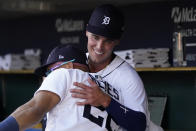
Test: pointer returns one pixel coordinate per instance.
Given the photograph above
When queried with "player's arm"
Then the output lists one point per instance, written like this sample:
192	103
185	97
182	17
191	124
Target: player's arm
125	117
31	112
131	120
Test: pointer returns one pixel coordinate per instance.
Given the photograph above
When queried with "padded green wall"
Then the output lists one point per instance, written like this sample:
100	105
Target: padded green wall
19	89
180	88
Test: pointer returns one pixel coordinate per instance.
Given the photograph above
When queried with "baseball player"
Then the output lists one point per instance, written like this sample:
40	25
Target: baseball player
117	87
66	65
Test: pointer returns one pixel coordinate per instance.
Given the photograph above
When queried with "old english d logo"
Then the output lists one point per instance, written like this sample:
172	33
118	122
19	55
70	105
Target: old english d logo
106	20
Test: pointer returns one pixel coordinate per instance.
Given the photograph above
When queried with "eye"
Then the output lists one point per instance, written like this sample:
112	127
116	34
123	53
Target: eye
110	41
95	37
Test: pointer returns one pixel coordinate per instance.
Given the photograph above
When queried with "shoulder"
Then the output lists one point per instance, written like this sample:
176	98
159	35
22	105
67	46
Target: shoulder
124	68
76	75
65	72
58	75
77	72
59	71
126	73
69	74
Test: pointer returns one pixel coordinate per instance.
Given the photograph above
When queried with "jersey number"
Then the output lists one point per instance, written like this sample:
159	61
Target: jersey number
87	114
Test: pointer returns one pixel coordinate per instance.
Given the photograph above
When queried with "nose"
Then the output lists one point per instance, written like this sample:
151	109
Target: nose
100	44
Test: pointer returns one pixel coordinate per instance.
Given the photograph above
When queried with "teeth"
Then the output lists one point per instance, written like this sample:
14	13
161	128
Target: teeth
99	53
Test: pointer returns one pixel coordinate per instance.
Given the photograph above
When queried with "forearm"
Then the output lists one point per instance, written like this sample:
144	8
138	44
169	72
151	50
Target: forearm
33	111
24	117
127	118
27	116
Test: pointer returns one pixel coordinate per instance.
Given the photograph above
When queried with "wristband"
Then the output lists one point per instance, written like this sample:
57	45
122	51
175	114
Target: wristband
9	124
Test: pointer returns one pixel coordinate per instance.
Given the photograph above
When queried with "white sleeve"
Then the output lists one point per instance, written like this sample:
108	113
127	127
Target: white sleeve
56	82
133	92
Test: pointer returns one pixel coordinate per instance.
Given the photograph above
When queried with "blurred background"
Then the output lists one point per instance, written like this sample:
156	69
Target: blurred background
159	42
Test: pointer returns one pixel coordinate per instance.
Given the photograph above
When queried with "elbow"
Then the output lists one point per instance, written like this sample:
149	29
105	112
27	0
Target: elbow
137	124
141	123
37	111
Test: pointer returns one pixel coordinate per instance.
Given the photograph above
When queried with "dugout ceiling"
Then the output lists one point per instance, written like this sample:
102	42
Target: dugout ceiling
19	8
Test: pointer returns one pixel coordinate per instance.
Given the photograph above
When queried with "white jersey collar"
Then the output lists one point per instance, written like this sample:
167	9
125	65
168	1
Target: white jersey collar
116	62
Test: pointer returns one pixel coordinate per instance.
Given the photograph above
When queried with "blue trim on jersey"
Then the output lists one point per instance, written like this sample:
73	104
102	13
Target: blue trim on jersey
9	124
127	118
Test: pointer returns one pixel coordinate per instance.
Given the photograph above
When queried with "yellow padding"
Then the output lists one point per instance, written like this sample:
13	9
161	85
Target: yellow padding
39	126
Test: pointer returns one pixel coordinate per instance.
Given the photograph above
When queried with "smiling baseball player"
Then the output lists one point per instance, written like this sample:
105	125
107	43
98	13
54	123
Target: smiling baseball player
116	86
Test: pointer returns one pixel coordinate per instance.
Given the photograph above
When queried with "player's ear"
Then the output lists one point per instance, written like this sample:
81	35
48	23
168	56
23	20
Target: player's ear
116	42
87	33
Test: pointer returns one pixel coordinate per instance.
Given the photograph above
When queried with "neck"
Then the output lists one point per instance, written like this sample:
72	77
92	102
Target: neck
81	67
96	67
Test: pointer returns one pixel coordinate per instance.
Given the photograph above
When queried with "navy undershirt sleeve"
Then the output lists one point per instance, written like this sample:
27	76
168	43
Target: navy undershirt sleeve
9	124
127	118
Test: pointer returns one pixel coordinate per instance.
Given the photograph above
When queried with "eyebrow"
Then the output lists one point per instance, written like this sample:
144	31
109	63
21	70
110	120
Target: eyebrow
95	35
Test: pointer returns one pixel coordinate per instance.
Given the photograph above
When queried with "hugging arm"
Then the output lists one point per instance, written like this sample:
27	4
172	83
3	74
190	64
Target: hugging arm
31	112
123	116
127	118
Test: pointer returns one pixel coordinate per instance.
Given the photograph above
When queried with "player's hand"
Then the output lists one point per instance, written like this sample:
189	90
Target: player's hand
92	94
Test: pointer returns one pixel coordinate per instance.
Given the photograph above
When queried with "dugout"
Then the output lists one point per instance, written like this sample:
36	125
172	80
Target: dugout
148	25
